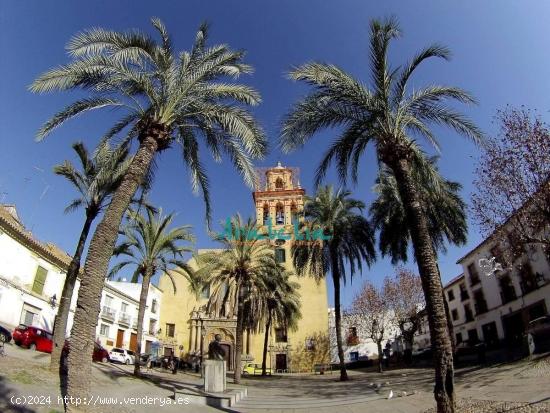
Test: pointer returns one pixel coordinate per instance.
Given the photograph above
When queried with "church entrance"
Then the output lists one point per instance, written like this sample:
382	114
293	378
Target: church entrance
280	362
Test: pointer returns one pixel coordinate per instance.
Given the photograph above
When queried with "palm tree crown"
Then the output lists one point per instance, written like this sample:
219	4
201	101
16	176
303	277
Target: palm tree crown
444	208
99	178
152	247
174	98
384	114
351	236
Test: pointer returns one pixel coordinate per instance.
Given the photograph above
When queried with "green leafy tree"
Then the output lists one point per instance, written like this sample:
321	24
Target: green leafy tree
152	247
351	242
98	177
169	99
386	114
237	274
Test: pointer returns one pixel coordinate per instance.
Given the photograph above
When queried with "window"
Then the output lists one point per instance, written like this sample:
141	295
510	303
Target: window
528	280
451	295
463	292
104	330
507	290
28	317
468	313
108	301
154	305
293	214
474	275
280	255
39	280
170	330
479	302
123	307
279	214
152	329
279	184
265	214
280	335
205	293
454	314
458	338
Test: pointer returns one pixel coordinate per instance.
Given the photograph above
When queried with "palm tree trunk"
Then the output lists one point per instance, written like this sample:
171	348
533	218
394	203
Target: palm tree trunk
380	355
266	338
95	269
431	284
141	313
239	339
60	324
338	319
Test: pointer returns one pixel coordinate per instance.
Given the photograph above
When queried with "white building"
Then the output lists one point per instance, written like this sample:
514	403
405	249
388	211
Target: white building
496	308
356	345
32	274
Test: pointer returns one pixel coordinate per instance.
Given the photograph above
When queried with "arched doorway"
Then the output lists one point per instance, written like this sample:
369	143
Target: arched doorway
227	342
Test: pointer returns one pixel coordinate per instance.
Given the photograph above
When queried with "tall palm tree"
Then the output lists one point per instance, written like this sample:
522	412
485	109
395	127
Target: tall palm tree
152	247
351	242
98	178
168	99
280	306
387	114
237	275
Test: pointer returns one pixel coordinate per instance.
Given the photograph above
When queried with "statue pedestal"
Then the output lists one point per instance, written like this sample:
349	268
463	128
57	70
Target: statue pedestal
214	376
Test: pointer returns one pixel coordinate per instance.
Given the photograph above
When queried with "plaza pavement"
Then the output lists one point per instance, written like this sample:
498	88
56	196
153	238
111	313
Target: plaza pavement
25	373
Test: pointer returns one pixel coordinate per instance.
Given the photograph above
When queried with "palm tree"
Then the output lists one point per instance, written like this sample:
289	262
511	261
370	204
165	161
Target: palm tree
390	116
237	275
152	247
281	306
168	99
98	178
351	242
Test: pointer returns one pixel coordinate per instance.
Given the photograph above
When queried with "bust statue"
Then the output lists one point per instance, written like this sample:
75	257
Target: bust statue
215	350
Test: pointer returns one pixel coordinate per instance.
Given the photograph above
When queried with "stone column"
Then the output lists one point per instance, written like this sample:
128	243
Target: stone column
191	342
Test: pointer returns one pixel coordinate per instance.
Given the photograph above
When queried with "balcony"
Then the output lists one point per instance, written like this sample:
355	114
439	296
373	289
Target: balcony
124	319
108	313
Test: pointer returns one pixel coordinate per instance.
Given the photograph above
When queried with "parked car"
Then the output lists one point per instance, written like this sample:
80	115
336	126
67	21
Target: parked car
100	354
254	369
121	355
34	338
538	334
5	335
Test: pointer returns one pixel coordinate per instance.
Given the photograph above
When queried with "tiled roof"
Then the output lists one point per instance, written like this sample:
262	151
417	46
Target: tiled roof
10	224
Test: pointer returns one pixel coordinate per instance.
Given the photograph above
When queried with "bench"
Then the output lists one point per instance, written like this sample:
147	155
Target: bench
321	368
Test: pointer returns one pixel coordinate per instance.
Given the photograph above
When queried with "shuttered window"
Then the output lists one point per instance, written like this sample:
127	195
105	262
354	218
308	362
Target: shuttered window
39	280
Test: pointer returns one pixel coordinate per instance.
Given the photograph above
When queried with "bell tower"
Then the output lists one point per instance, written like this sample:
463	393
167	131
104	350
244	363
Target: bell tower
278	196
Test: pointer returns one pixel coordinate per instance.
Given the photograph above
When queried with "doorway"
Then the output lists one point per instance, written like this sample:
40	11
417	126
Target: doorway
133	342
280	362
228	357
119	338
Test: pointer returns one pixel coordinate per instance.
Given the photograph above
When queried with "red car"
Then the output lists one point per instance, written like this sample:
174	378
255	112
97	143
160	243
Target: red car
33	337
99	354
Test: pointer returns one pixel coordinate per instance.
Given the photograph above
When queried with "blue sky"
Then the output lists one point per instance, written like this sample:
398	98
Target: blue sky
500	54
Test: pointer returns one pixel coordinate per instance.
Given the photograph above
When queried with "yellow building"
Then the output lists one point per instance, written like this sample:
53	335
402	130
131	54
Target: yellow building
278	199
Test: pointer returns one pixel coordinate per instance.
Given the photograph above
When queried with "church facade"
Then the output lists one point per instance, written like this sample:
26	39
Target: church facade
187	328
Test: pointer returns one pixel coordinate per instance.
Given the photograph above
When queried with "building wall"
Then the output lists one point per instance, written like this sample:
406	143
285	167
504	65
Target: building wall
18	266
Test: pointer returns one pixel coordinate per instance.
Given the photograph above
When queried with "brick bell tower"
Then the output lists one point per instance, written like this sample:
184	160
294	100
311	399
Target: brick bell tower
278	197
